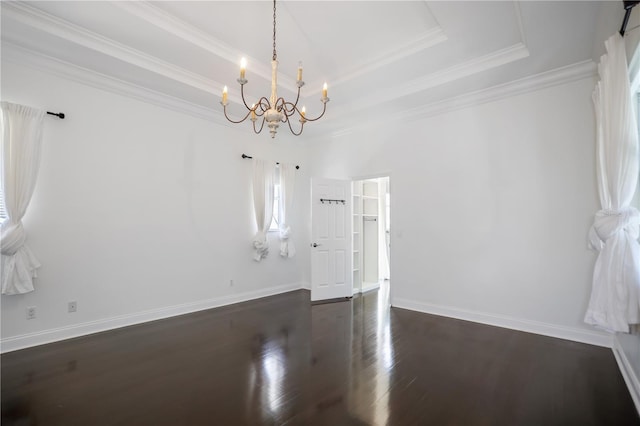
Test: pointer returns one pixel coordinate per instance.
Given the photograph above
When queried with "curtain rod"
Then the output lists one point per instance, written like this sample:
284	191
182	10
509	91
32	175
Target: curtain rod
60	115
628	5
246	156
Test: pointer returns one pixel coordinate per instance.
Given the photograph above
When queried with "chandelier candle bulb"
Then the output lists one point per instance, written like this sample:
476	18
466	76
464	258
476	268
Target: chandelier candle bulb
253	112
303	112
324	90
224	95
300	71
243	67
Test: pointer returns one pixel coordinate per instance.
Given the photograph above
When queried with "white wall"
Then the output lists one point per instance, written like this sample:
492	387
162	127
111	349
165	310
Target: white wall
140	212
491	206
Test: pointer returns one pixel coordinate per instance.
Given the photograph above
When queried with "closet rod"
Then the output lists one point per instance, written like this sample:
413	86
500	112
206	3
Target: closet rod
628	5
60	115
246	156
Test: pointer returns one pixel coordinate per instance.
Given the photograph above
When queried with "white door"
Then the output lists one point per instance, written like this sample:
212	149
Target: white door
331	276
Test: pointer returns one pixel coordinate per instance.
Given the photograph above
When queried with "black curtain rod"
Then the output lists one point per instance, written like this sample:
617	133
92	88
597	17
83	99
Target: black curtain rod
628	5
60	115
246	156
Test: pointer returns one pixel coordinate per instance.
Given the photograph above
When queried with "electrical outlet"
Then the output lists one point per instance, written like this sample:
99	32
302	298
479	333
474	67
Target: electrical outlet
31	312
72	306
230	283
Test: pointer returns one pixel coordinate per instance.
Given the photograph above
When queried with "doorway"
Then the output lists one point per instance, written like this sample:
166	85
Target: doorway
371	230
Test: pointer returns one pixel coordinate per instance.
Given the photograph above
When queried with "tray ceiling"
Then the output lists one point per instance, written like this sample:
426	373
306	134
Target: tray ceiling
380	58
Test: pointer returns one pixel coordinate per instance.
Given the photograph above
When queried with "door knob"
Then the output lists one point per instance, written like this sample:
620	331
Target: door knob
315	245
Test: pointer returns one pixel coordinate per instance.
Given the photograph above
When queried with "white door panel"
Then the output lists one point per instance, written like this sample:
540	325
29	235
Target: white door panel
330	239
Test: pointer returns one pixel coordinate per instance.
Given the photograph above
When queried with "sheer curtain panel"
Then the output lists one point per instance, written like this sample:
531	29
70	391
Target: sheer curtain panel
287	187
21	141
615	302
263	180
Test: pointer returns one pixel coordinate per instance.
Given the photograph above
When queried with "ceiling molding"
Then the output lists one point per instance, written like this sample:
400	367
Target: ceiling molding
556	77
447	75
518	12
35	18
187	32
22	56
425	41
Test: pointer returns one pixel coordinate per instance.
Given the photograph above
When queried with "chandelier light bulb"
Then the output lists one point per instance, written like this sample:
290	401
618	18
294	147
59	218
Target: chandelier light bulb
243	67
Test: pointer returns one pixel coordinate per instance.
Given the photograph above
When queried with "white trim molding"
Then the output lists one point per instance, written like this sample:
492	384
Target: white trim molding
575	334
556	77
630	377
23	341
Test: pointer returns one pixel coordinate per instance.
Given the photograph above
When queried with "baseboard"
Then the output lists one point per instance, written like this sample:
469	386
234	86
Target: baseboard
62	333
594	337
630	377
370	286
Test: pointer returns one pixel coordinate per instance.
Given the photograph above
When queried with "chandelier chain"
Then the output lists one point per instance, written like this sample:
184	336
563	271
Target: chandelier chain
274	30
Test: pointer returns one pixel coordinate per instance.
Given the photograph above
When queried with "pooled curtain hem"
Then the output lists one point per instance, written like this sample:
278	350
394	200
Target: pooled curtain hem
18	271
597	319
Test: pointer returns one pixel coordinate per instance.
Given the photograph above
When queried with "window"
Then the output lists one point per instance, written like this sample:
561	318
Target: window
276	208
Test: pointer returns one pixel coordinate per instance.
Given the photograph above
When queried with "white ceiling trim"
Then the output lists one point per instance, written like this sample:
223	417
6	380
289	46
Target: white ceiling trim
22	56
427	40
191	34
558	76
172	25
35	18
447	75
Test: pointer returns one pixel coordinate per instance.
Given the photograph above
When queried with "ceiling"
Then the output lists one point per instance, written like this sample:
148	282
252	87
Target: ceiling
381	59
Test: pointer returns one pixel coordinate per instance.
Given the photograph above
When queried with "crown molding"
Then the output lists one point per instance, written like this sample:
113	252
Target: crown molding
555	77
42	21
430	38
558	76
25	57
187	32
179	28
474	66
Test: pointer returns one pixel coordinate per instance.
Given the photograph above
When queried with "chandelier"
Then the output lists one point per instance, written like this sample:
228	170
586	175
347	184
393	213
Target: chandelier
274	110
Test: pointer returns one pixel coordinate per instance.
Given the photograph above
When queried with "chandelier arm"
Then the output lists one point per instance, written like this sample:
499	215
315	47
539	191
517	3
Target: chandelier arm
297	97
293	131
233	121
264	104
261	126
324	108
242	94
279	104
292	109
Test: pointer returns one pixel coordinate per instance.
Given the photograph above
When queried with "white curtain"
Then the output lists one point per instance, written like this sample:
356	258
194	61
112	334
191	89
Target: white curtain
263	180
287	187
21	141
615	302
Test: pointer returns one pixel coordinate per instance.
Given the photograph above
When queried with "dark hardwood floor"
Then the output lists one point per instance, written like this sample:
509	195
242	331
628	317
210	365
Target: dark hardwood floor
281	361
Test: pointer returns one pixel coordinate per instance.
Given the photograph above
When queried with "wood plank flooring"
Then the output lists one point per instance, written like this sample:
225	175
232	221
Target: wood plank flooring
281	361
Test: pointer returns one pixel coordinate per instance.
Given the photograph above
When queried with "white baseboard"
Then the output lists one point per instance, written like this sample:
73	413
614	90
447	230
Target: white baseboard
630	377
593	337
62	333
370	286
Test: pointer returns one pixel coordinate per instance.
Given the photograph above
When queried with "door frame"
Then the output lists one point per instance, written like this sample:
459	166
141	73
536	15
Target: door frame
388	175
